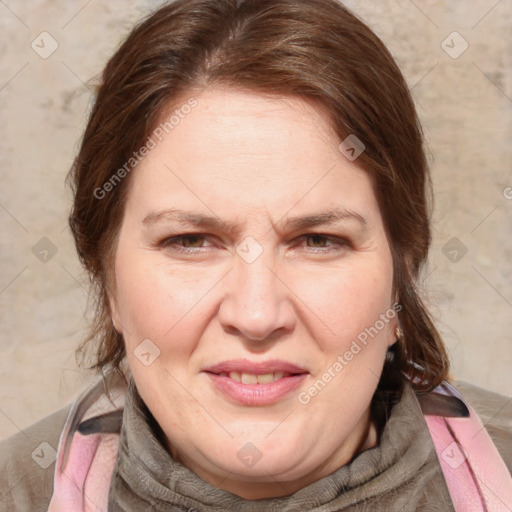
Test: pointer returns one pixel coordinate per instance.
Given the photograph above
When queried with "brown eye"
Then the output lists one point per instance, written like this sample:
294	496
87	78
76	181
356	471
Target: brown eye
317	240
192	240
324	243
185	242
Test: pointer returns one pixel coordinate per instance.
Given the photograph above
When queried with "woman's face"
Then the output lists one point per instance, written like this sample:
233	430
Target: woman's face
254	293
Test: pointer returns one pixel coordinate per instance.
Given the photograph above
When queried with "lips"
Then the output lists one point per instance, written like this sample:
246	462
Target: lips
250	383
254	368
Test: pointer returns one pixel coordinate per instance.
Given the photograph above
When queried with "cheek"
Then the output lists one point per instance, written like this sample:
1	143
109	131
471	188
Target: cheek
348	300
150	301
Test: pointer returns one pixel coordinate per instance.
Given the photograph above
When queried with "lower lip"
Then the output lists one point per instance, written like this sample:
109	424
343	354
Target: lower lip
256	394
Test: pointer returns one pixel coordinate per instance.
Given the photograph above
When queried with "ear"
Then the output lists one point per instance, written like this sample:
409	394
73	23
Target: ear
394	323
393	337
114	313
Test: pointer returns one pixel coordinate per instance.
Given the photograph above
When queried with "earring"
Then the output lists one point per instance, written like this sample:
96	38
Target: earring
390	353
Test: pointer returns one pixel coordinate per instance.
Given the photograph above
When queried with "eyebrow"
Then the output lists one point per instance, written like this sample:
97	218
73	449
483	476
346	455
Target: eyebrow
323	218
184	217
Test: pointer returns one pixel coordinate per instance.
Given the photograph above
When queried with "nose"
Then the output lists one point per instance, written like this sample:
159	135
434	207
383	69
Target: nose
257	303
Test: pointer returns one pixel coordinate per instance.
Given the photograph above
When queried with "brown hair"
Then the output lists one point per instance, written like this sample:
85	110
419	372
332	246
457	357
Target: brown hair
316	49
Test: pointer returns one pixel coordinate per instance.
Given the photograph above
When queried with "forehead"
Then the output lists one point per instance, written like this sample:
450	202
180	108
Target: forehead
242	151
231	122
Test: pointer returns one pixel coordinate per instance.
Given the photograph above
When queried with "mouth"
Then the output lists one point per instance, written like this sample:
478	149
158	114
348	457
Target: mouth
250	383
253	378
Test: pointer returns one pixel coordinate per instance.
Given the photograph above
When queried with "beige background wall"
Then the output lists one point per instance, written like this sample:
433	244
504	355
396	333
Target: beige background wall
465	103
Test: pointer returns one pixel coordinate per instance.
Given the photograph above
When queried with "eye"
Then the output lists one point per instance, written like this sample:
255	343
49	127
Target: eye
197	242
318	242
185	243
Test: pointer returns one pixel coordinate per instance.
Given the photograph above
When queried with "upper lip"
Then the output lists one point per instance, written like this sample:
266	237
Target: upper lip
255	368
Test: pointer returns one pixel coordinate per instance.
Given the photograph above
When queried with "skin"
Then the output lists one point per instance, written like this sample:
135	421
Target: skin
254	161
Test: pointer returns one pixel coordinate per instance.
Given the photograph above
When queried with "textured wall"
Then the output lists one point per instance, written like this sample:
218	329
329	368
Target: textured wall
464	100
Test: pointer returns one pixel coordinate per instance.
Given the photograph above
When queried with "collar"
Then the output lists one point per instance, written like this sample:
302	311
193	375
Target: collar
146	476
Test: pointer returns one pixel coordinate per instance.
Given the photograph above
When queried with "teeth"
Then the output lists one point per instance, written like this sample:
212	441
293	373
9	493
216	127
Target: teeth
266	378
249	378
235	376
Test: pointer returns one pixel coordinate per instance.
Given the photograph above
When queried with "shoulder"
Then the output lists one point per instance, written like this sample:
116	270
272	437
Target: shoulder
27	459
27	464
495	411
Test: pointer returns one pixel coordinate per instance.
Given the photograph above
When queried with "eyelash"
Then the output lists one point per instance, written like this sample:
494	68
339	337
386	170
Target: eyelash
172	243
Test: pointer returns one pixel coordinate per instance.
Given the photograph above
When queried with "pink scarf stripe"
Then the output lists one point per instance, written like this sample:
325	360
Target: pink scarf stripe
475	473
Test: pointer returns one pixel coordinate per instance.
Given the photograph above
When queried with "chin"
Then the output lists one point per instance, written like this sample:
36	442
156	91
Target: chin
259	461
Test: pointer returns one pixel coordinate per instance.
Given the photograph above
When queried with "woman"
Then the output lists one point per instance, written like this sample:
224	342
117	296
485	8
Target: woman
251	202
